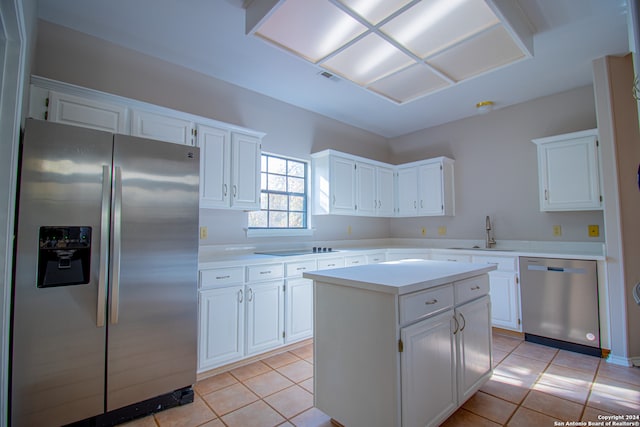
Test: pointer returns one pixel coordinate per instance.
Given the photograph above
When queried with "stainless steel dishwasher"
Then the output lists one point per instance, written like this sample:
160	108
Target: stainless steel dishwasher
560	303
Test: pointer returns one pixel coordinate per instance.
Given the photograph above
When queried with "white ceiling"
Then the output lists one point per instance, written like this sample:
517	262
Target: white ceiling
209	36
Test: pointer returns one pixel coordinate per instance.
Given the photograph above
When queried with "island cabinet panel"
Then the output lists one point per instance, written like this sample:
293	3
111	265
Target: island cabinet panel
402	352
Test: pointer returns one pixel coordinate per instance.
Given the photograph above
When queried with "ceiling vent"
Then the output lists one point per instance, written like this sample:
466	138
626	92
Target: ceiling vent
327	75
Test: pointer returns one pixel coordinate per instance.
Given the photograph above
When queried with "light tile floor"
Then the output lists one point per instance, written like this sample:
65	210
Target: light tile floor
532	385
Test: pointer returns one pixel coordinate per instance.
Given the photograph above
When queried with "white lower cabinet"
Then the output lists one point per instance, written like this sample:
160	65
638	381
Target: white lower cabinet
221	326
299	309
446	359
428	363
505	292
265	316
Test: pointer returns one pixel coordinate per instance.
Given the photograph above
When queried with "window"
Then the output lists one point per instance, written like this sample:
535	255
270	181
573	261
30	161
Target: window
283	198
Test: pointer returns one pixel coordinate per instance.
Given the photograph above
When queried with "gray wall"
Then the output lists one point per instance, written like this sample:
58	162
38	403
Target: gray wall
496	170
495	167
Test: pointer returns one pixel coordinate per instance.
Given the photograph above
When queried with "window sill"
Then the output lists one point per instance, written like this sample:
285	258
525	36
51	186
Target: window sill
278	232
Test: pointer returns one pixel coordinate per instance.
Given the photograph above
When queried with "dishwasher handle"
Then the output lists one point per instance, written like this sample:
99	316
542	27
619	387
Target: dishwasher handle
556	269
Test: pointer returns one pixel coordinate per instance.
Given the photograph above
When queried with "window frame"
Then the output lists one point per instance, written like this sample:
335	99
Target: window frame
253	231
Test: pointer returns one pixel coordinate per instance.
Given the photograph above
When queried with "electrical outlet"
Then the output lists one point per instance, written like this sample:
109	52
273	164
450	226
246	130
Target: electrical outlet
423	231
442	230
203	232
349	230
594	230
557	230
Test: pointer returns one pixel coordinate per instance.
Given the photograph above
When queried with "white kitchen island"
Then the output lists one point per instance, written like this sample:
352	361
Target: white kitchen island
400	343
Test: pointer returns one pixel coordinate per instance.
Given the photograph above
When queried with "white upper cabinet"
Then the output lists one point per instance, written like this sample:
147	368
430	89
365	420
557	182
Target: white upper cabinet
351	185
229	155
245	171
334	181
568	172
385	190
374	190
229	169
407	204
84	112
367	199
215	166
150	125
426	188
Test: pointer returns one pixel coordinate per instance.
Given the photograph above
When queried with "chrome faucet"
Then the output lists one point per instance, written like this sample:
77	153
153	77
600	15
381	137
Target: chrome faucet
489	241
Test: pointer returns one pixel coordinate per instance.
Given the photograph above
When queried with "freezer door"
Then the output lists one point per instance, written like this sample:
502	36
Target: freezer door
152	343
59	334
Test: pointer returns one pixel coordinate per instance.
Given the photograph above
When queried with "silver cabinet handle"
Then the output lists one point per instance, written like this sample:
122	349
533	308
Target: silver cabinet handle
235	190
355	262
464	322
116	245
266	272
475	288
421	203
301	268
224	189
430	302
222	277
415	204
546	194
250	296
240	296
331	265
455	319
104	245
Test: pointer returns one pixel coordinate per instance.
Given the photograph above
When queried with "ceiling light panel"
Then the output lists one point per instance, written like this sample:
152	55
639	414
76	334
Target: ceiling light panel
432	25
400	49
375	11
367	60
310	28
409	84
489	50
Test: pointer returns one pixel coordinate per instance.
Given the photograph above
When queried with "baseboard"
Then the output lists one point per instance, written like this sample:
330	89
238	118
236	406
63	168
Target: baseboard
246	361
509	332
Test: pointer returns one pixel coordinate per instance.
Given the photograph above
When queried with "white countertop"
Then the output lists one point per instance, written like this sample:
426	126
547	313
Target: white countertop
224	256
400	277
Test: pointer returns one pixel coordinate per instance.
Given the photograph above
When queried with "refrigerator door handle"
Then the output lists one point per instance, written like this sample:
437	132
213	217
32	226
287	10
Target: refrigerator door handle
116	229
104	245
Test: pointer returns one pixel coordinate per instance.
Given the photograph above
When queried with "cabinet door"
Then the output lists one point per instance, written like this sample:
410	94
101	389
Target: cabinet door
265	316
221	326
343	181
163	128
215	163
504	300
474	346
407	191
569	176
366	189
77	111
428	371
430	200
385	190
245	172
299	309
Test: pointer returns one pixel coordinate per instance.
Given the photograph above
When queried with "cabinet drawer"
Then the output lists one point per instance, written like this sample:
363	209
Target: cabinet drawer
328	263
421	304
355	260
221	277
471	288
503	263
376	258
451	257
293	269
264	272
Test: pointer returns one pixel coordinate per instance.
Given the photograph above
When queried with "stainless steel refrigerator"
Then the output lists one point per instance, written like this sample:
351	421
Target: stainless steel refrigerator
105	289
